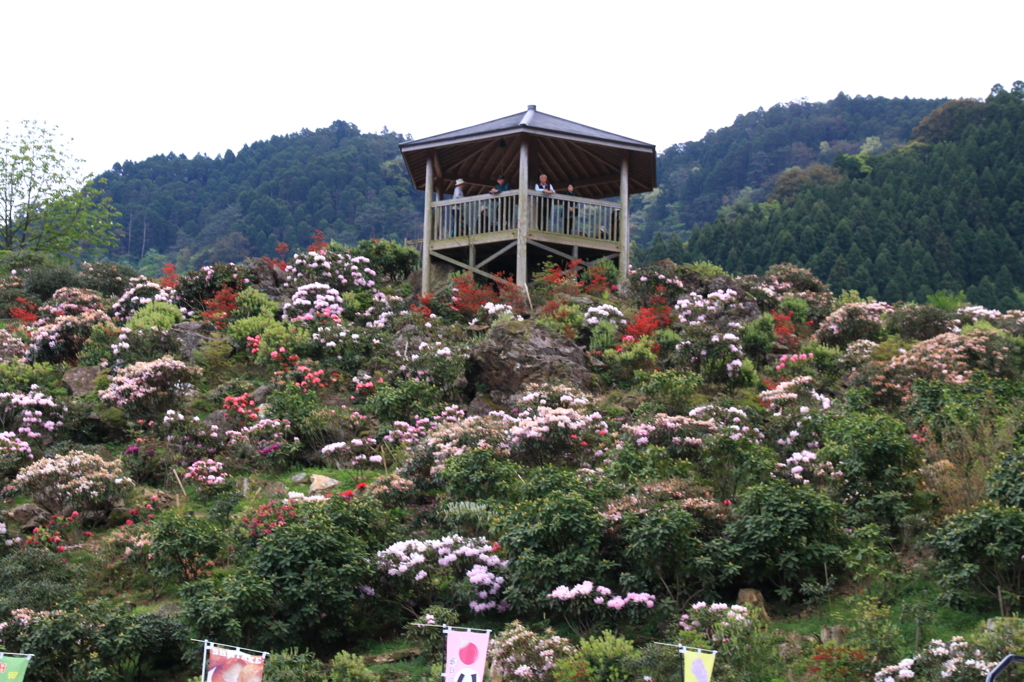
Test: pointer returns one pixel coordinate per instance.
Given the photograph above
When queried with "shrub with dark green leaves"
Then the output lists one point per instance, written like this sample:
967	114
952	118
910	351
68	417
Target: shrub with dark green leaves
391	261
38	579
478	474
785	534
980	548
42	282
110	279
1006	480
758	337
252	302
183	546
119	346
920	322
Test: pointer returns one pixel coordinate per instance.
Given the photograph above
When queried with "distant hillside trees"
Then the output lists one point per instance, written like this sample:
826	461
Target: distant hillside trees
944	212
741	163
348	184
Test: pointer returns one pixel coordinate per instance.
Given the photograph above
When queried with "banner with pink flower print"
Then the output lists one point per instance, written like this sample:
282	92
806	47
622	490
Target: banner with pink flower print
466	657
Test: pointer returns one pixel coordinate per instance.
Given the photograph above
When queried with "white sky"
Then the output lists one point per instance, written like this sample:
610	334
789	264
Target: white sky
127	80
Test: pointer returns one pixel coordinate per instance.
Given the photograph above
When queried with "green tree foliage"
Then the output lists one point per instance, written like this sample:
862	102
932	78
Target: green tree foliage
45	203
348	184
744	160
902	225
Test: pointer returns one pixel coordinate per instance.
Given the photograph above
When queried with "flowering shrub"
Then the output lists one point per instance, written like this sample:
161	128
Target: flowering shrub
263	444
145	388
526	656
921	322
30	414
555	434
13	452
833	662
426	570
352	453
59	338
853	322
312	300
599	595
957	661
12	348
140	292
715	620
209	477
111	345
949	358
85	482
785	280
268	516
197	286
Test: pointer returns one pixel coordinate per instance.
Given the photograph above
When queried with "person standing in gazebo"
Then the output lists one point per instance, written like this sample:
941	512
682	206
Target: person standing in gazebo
544	205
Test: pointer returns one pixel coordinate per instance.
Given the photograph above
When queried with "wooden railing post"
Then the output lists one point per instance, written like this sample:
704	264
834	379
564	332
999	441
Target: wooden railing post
524	218
428	228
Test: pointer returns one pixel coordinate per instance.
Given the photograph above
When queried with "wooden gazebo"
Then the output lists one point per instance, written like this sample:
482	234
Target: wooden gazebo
481	232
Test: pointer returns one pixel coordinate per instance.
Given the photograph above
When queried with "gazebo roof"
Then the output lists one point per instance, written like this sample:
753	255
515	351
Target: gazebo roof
567	151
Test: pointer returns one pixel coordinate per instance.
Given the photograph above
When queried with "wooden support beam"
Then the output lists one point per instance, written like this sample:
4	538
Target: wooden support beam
466	266
541	245
494	255
428	228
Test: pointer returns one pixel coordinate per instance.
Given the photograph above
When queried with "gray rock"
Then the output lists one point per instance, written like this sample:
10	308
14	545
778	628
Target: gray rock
481	405
440	273
260	395
29	516
300	478
218	418
191	335
516	353
275	489
81	381
321	483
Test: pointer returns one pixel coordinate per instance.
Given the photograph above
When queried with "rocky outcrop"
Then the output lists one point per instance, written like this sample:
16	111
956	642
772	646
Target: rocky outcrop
515	353
191	335
81	381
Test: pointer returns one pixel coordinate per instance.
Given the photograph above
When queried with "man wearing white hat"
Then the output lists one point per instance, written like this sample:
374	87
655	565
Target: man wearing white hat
458	224
458	189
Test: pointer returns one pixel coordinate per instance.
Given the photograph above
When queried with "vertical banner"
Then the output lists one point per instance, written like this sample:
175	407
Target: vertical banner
697	665
224	664
466	657
12	667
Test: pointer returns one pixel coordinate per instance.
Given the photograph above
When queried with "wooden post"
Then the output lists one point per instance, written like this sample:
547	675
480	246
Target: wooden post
428	218
524	217
624	223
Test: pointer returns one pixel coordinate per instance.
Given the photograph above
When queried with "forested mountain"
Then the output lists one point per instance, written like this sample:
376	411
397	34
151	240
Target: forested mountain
944	212
741	162
196	211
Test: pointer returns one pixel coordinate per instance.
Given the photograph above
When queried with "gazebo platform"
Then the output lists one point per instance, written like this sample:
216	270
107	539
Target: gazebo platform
482	231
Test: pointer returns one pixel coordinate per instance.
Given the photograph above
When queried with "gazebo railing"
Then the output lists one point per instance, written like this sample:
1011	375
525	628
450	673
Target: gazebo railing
555	214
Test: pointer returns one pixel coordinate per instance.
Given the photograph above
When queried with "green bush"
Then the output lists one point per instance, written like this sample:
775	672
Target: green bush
981	548
399	399
19	377
240	330
138	345
38	579
620	365
669	391
479	474
251	302
291	666
43	281
920	322
1006	480
391	261
603	658
347	667
157	314
110	279
183	546
295	340
798	309
785	534
604	335
758	337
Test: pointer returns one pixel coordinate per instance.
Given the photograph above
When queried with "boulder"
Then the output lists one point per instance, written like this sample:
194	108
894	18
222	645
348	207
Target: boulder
218	418
440	273
260	395
275	489
81	381
515	353
300	478
191	335
753	599
264	275
29	516
321	484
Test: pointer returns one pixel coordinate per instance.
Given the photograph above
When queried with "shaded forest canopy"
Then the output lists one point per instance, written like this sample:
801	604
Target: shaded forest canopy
944	212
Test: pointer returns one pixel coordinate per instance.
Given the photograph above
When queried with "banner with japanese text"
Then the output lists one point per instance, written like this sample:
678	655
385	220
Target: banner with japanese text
466	657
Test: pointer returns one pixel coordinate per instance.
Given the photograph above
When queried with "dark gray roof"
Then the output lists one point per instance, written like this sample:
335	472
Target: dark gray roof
530	120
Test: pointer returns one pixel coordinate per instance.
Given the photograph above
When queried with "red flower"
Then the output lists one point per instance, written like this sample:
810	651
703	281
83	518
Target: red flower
129	522
727	503
360	486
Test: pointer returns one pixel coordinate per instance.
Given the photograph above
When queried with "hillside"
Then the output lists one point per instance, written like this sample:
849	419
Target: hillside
301	458
944	212
741	162
193	212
